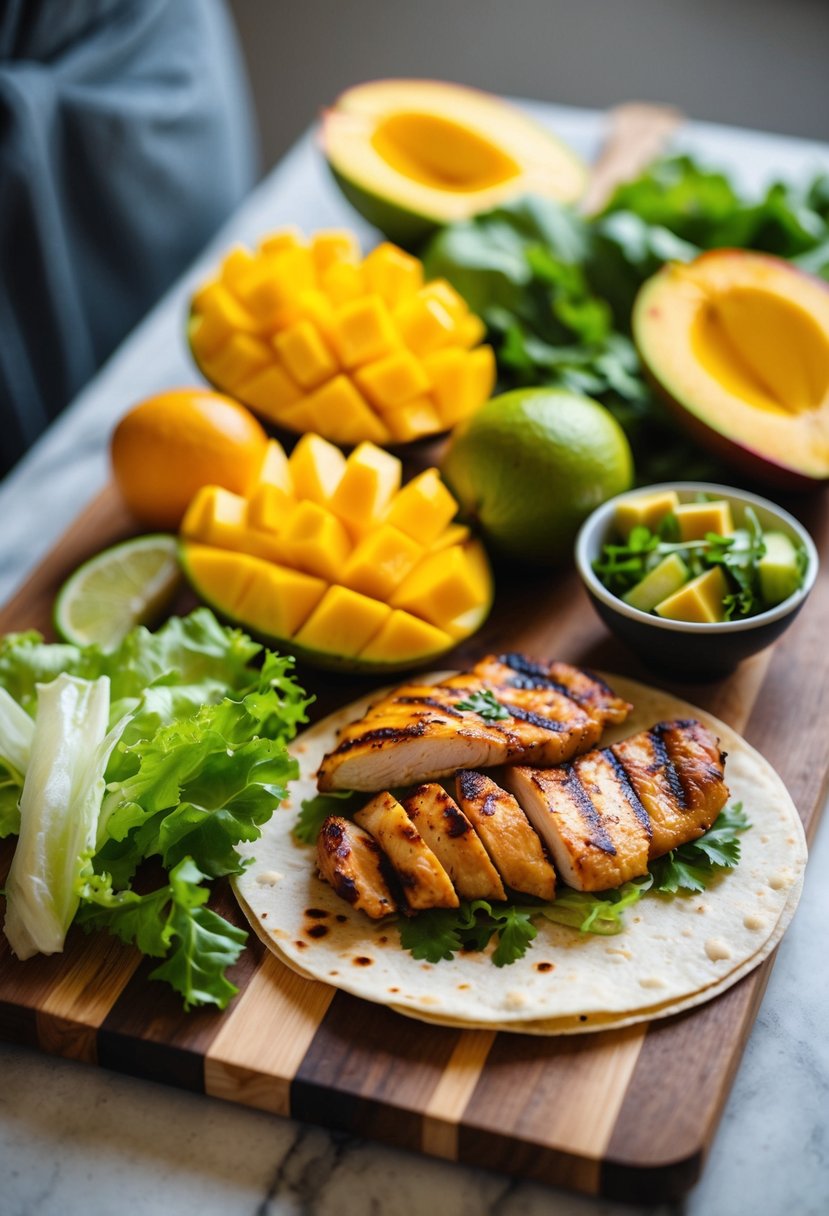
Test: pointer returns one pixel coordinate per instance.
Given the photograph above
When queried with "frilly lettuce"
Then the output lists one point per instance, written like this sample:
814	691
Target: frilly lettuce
184	759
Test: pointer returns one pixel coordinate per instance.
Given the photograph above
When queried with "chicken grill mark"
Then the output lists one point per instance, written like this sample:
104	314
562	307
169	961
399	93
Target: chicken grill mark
418	733
600	819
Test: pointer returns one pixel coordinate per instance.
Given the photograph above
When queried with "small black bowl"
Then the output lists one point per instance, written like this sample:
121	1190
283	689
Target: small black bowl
686	649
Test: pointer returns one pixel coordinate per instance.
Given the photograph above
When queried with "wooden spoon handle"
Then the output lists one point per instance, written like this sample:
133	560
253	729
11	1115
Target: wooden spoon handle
638	133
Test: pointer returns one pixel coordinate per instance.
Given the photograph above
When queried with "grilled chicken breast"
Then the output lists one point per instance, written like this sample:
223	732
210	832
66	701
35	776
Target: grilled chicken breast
452	839
676	769
513	846
419	733
424	881
352	862
594	815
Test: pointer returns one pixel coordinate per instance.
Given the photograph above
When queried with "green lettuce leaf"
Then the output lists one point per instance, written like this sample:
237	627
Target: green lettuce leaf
172	923
198	788
200	766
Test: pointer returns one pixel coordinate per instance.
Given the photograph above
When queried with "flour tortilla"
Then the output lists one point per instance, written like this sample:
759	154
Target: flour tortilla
674	952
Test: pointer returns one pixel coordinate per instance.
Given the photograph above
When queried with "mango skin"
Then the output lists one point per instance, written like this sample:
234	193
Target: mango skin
316	658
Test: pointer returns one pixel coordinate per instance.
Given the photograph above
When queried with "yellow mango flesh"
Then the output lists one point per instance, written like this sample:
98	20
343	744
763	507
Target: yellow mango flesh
644	510
423	508
331	557
700	600
218	517
343	623
313	339
738	342
696	519
366	488
404	634
316	467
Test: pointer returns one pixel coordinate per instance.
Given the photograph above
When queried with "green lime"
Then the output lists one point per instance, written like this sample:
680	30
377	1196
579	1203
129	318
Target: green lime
129	584
530	466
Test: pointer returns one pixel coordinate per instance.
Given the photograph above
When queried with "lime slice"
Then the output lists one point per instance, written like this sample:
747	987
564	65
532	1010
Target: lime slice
129	584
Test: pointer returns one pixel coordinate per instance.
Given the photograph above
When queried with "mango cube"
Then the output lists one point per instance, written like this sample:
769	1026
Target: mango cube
363	331
445	585
455	534
276	281
218	517
275	470
288	237
220	575
445	294
316	467
270	391
461	380
343	623
424	324
392	381
700	600
342	282
413	420
340	410
304	354
423	508
644	510
696	519
405	638
314	540
392	274
269	507
314	306
236	265
469	331
333	245
277	600
238	360
366	488
220	318
381	561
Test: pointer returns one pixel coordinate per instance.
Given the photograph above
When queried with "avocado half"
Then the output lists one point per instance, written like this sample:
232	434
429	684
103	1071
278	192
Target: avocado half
738	344
412	155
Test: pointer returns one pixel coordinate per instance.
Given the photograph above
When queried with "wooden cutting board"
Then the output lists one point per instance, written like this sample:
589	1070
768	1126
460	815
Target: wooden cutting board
627	1114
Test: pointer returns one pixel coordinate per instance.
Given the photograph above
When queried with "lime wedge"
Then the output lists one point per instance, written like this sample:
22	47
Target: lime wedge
129	584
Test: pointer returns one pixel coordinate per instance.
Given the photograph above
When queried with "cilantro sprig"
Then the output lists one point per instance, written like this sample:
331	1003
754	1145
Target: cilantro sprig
441	933
693	866
486	705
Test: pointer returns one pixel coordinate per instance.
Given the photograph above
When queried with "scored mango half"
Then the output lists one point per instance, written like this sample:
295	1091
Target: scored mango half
333	559
315	339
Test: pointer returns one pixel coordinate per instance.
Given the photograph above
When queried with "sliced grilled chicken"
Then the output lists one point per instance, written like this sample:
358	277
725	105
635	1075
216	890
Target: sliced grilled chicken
419	733
582	686
676	769
593	819
452	839
513	846
589	818
352	862
423	879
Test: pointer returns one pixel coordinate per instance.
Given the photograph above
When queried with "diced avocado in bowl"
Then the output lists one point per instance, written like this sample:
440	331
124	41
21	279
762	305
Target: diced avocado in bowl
698	581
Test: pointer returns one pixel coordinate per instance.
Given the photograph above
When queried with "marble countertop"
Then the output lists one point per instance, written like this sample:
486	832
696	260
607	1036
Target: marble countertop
73	1138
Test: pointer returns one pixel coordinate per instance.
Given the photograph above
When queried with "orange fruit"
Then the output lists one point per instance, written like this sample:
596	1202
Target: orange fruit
169	446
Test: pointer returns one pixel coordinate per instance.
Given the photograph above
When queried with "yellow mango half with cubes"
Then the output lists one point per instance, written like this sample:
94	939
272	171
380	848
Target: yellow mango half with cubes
314	338
335	559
